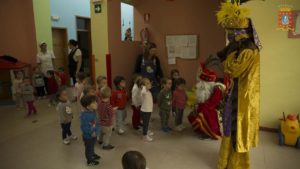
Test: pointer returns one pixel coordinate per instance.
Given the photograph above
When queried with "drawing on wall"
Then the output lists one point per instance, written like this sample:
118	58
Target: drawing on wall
295	33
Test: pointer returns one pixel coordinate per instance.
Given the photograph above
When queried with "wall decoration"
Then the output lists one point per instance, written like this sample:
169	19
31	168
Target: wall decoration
295	32
285	18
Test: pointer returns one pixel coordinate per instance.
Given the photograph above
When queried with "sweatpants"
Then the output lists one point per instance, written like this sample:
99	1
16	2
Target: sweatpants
178	116
136	117
105	135
40	91
120	113
146	119
89	144
66	130
164	118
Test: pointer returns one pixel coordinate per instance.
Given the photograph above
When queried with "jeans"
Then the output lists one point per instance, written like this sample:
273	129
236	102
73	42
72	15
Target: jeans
105	135
120	114
40	91
89	148
178	116
164	118
136	117
66	130
146	119
31	108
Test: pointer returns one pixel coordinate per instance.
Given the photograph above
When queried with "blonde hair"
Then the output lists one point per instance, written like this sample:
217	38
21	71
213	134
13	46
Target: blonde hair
105	92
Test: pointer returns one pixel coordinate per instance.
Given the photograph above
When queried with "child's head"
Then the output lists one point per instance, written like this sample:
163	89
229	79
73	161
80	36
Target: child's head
89	102
105	92
119	82
50	73
89	90
26	80
180	83
80	77
147	83
166	83
19	75
87	81
133	160
137	78
175	74
101	81
62	94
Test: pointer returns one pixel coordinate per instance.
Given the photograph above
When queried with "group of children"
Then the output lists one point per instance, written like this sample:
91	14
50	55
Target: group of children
25	89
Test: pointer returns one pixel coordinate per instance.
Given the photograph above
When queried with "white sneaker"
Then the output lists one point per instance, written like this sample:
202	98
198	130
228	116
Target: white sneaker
73	137
150	133
147	138
66	141
182	127
178	128
121	131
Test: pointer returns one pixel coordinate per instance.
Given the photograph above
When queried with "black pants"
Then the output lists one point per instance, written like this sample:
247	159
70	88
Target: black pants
40	91
178	116
146	119
66	130
46	84
89	148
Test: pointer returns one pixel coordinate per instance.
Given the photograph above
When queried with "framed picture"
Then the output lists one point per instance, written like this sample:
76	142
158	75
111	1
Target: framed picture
295	33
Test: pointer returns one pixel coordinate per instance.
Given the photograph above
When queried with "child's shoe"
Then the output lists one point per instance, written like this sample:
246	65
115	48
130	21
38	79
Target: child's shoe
96	157
169	129
92	163
108	147
178	128
73	137
150	133
147	138
121	131
66	141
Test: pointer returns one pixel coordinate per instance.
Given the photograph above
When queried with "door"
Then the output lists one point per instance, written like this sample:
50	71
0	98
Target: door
85	42
60	48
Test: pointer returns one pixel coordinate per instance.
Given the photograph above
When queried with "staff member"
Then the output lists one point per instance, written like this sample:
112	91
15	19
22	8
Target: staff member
75	59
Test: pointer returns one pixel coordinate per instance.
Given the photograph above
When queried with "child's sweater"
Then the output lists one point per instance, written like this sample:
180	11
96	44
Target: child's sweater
136	96
179	99
105	112
38	80
89	124
65	112
27	93
165	100
52	85
119	98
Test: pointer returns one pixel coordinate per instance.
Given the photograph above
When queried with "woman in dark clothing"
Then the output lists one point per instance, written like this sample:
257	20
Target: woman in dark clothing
75	59
148	65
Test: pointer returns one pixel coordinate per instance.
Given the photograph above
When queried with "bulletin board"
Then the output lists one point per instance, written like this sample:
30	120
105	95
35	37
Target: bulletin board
181	46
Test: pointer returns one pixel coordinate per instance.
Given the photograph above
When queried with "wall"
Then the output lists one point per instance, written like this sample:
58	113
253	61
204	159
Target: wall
17	30
280	59
67	10
127	19
42	22
181	17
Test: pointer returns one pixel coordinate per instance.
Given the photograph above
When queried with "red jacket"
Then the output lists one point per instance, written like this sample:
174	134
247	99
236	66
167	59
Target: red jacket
52	85
179	99
119	98
63	78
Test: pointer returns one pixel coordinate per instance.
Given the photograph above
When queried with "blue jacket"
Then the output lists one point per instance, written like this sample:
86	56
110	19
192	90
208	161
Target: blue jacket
89	124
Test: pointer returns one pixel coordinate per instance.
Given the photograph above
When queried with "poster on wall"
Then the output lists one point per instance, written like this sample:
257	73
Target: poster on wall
295	32
181	46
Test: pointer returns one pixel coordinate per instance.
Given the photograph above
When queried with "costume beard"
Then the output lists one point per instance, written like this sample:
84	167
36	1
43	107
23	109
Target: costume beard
204	90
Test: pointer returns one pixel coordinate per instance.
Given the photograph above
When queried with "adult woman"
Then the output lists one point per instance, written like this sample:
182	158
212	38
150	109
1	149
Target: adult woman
75	59
148	65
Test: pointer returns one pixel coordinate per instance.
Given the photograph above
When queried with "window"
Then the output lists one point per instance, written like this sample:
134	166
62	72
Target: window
127	22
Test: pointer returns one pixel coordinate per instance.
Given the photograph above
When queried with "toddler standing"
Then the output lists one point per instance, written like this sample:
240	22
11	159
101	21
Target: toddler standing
52	87
179	102
17	88
101	82
165	104
39	83
28	97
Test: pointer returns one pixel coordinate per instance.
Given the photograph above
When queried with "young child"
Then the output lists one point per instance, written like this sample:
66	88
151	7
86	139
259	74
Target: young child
65	115
52	87
90	128
105	112
101	82
174	76
179	102
133	160
119	100
164	100
63	77
147	108
89	90
38	82
28	97
136	102
17	89
79	86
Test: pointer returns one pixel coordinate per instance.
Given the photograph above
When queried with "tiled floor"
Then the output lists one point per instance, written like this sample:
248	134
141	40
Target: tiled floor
35	143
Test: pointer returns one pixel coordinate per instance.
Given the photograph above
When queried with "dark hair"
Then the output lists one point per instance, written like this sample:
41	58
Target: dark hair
133	160
73	42
100	78
50	72
59	92
87	100
81	76
87	89
173	71
165	80
118	80
180	81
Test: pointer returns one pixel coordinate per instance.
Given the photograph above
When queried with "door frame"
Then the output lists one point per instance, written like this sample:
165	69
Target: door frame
66	67
92	71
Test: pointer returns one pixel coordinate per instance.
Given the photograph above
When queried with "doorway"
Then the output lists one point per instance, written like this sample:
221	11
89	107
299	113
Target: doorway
60	48
84	39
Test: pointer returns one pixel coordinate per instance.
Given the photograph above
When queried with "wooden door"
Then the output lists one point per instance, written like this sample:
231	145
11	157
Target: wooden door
60	48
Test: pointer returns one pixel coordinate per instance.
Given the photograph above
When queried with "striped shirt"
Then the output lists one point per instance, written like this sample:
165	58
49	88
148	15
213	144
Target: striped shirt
105	112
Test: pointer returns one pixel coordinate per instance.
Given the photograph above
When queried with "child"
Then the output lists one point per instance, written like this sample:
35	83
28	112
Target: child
147	108
28	97
63	77
136	102
38	82
133	160
89	90
17	88
101	82
165	104
65	115
179	102
105	112
174	76
52	87
89	127
79	86
119	100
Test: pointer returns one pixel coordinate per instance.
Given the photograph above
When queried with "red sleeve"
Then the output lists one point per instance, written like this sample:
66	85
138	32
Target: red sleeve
114	98
215	98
